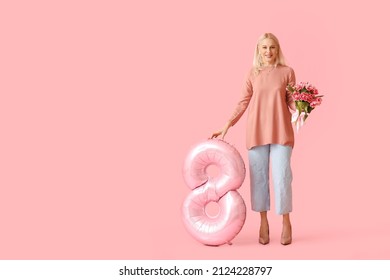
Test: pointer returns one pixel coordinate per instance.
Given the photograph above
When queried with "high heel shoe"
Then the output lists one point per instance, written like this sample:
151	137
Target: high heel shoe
264	240
286	240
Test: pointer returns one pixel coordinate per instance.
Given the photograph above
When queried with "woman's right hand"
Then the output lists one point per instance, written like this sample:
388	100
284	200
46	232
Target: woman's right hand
221	132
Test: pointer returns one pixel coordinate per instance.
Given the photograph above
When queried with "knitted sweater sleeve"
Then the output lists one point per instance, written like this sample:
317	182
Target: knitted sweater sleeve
242	105
291	81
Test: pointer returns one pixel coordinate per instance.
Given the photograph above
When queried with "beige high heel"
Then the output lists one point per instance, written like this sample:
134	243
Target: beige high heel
286	240
263	240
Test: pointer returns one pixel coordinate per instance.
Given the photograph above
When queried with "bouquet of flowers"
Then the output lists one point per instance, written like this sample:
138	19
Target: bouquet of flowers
306	99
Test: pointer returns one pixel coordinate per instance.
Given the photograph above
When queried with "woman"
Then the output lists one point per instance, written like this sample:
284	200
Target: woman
269	135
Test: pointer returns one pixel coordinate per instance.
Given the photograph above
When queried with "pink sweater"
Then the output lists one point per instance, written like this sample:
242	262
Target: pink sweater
269	118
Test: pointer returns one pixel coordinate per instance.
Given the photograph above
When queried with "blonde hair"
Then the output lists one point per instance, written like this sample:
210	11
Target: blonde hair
257	61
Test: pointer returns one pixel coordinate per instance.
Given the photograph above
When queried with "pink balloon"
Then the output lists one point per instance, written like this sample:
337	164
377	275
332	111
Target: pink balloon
223	227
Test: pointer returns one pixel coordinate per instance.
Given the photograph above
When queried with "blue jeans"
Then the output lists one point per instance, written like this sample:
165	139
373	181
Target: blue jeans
259	162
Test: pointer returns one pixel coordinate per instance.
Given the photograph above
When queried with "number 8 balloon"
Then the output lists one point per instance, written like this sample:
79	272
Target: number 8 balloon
222	228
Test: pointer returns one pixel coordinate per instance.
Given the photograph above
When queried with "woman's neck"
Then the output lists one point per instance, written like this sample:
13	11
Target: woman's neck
269	65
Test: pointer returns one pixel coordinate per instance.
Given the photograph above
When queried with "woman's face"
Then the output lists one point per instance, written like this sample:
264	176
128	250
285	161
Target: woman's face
268	51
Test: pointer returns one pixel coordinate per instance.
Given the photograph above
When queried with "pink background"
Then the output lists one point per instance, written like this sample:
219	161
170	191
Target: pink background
101	100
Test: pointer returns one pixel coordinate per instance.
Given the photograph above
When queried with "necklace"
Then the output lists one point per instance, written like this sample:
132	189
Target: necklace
269	69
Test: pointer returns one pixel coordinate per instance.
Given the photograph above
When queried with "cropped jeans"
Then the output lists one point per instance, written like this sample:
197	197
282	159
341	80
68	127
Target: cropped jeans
260	158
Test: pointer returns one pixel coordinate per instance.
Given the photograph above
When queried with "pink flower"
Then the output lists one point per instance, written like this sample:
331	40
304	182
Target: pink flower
306	98
316	102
